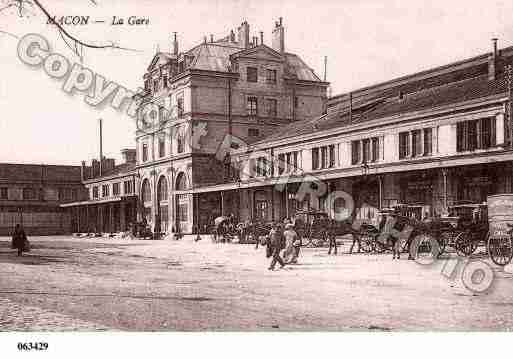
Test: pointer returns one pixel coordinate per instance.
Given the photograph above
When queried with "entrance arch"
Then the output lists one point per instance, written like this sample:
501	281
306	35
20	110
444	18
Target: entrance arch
162	199
146	200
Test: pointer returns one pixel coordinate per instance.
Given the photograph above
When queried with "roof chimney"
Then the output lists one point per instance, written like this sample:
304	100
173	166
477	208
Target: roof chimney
232	36
244	35
278	41
261	37
492	61
175	44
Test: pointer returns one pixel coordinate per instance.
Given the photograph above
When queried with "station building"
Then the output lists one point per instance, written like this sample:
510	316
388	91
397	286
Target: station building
427	140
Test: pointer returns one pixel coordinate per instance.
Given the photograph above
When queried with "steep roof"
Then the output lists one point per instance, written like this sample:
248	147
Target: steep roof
215	56
432	97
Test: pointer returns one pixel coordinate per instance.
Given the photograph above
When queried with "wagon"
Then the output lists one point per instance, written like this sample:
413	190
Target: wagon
472	230
421	232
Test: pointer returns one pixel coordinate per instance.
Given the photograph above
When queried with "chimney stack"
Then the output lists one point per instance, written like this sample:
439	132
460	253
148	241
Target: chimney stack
243	36
261	37
278	41
175	44
492	61
232	36
82	171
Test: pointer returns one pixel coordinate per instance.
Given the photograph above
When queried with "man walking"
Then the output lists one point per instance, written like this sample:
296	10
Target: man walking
276	243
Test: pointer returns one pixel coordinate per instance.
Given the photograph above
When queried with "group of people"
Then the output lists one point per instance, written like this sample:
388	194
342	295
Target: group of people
283	237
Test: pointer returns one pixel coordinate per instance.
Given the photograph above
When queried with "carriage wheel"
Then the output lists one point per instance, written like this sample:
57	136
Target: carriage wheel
379	247
465	244
500	249
366	243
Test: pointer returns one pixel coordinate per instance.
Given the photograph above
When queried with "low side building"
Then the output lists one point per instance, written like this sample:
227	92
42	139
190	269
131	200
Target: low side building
31	195
111	201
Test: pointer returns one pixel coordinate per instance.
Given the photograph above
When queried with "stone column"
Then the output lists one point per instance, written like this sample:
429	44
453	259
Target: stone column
122	215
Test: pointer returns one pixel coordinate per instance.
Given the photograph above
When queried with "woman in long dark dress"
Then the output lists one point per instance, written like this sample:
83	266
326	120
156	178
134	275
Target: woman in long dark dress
18	239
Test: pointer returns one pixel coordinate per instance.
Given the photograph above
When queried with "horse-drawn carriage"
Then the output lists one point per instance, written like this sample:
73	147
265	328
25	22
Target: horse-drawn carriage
471	229
396	224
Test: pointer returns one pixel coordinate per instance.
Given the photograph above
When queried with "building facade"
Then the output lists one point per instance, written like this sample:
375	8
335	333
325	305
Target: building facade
429	140
111	201
31	195
193	99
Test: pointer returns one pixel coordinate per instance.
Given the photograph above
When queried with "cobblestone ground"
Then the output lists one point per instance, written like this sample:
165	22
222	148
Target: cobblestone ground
69	283
15	317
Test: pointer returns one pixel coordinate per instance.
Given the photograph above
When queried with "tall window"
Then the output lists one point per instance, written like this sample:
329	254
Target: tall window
105	190
146	191
475	134
428	141
356	152
365	150
162	147
252	106
127	187
315	158
155	85
165	81
270	76
252	74
95	192
281	163
179	105
416	143
323	157
288	162
115	189
3	193
404	145
262	167
272	107
145	152
180	142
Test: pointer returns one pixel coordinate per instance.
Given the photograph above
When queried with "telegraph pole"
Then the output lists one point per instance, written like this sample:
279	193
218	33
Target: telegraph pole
509	78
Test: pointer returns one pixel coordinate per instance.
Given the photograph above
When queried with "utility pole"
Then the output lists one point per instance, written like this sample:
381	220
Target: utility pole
509	78
101	148
325	66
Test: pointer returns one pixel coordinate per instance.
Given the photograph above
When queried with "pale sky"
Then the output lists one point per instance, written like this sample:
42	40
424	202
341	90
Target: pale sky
366	42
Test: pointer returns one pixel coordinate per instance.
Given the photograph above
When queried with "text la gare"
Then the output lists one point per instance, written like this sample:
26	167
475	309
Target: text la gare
132	20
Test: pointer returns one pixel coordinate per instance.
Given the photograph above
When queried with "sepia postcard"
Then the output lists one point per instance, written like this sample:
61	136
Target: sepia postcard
254	167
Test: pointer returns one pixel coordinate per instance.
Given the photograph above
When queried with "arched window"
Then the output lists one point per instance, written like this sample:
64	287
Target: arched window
162	189
146	191
181	182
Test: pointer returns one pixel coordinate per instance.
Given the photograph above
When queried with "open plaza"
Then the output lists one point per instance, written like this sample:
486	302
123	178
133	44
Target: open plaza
67	283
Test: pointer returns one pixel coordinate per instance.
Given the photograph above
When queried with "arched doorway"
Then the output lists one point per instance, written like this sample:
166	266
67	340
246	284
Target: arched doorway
182	201
162	198
146	200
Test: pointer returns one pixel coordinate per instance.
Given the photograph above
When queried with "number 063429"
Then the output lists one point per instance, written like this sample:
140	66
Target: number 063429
32	346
